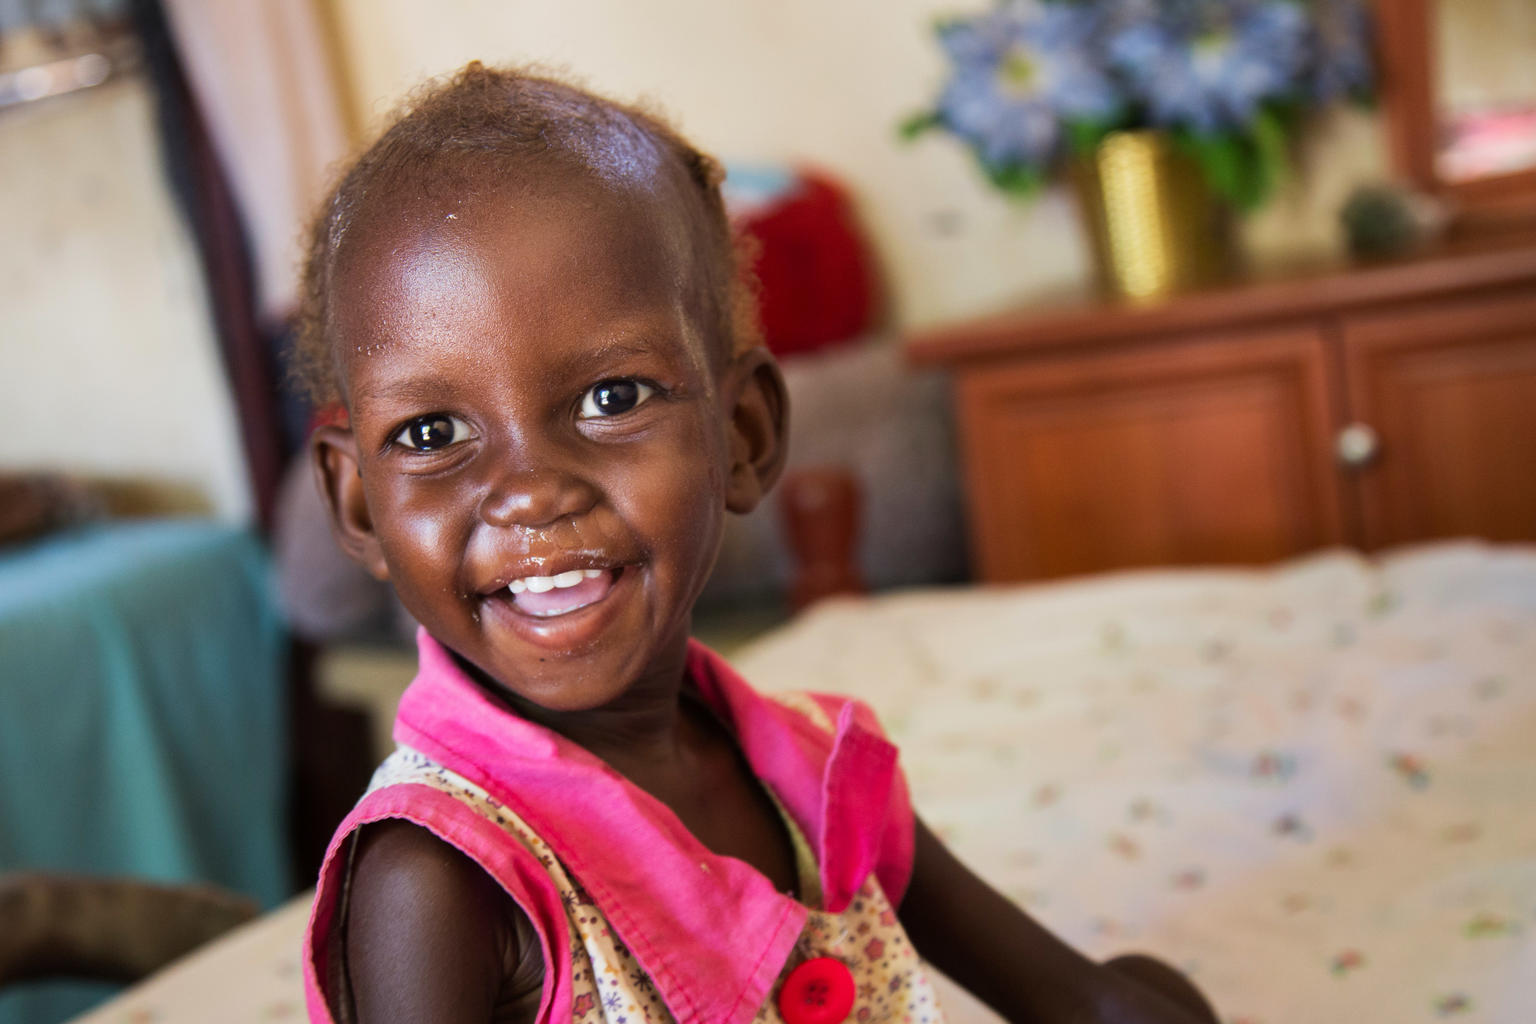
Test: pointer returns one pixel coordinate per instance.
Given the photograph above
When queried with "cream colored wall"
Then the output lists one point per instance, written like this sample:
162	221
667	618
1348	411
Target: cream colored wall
109	363
825	83
1485	50
109	366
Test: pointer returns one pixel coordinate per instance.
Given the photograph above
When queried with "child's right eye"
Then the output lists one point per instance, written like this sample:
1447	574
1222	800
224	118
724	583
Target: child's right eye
429	433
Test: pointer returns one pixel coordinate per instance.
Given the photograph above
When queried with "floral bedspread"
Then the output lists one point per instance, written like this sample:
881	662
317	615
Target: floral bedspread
1313	788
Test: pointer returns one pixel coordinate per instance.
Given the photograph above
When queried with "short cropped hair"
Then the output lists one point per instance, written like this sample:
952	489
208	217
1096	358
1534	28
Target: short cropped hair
504	119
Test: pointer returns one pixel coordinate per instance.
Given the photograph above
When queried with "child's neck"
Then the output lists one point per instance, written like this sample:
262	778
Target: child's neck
643	728
665	739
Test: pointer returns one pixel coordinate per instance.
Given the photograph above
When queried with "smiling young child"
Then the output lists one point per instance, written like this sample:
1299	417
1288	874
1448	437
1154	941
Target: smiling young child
528	302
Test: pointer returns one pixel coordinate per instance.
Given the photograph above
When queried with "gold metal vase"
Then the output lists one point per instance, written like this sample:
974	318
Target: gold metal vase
1155	226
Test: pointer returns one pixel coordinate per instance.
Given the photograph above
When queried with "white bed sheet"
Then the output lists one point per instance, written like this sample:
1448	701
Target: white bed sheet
1313	788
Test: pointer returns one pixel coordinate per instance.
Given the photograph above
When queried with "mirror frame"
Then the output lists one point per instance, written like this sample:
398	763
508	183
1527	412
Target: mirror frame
1406	61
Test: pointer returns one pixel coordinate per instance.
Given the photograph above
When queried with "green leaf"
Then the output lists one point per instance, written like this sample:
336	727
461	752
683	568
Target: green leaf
1014	179
1272	144
1232	164
1083	136
916	124
1217	160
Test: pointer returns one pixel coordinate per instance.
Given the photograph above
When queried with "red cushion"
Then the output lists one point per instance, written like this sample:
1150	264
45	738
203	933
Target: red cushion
816	274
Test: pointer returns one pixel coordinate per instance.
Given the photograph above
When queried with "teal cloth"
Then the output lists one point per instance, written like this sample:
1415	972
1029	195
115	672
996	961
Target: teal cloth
143	709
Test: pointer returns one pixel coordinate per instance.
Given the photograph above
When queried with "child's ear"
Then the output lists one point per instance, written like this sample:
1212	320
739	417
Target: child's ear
333	452
759	419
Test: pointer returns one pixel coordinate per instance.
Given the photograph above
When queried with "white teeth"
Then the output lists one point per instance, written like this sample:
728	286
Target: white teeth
544	584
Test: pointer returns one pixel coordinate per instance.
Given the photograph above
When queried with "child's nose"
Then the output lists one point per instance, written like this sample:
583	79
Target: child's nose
533	498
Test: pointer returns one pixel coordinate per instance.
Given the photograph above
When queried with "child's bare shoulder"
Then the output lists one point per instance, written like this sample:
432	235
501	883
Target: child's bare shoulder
429	936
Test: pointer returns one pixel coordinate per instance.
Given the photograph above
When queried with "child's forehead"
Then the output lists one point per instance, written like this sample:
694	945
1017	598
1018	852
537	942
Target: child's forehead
429	190
650	214
447	252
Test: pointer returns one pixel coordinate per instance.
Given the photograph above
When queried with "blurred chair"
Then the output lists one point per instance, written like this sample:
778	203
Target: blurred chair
820	509
106	929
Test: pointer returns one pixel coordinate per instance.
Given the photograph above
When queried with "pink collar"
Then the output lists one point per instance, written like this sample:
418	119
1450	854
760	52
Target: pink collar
711	931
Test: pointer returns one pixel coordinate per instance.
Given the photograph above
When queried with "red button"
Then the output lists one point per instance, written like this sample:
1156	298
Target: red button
819	991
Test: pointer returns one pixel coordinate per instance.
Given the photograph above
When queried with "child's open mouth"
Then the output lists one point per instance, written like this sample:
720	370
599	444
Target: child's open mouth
544	597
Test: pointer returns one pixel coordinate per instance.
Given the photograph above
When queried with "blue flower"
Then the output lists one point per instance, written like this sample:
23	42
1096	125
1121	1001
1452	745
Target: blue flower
1339	45
1208	65
1019	70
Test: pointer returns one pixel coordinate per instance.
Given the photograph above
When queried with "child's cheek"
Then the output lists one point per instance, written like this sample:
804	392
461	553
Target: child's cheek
693	492
421	523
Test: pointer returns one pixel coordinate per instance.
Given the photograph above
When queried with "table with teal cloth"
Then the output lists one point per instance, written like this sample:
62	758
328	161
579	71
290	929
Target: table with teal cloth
143	726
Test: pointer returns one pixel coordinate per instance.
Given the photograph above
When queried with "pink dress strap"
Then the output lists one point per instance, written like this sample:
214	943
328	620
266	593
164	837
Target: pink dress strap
514	867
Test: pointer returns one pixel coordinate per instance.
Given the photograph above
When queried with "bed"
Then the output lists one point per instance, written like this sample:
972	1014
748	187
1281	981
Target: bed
1313	786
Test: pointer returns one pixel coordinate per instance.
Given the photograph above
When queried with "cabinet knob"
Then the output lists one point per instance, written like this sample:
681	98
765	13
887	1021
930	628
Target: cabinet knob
1357	445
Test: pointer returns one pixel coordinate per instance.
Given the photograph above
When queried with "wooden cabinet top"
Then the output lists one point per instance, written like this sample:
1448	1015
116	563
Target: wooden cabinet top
1486	260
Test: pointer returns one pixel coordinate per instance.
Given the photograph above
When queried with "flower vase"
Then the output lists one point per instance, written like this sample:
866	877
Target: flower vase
1155	226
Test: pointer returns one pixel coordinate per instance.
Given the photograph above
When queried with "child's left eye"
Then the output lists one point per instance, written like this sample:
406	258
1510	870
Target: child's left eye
612	397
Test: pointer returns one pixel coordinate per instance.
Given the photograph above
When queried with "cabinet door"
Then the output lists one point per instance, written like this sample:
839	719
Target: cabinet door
1195	452
1450	390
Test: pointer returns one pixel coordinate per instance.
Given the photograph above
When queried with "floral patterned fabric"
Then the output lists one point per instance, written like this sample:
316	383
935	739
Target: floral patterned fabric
609	985
1312	788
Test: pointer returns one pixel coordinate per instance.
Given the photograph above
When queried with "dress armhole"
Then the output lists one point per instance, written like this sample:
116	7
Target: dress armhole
338	984
516	869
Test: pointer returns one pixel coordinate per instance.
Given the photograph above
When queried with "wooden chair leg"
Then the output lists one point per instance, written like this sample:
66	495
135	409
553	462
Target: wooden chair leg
331	763
820	510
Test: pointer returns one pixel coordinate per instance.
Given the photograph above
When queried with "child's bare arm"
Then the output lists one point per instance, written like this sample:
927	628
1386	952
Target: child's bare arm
973	934
430	937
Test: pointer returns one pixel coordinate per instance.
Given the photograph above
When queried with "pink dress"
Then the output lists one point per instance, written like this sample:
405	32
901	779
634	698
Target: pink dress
637	920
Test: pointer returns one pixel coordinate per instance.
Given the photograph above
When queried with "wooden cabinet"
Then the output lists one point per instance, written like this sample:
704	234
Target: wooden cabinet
1450	388
1364	406
1211	449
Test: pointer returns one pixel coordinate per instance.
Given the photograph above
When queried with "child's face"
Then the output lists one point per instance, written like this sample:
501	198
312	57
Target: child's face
531	398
